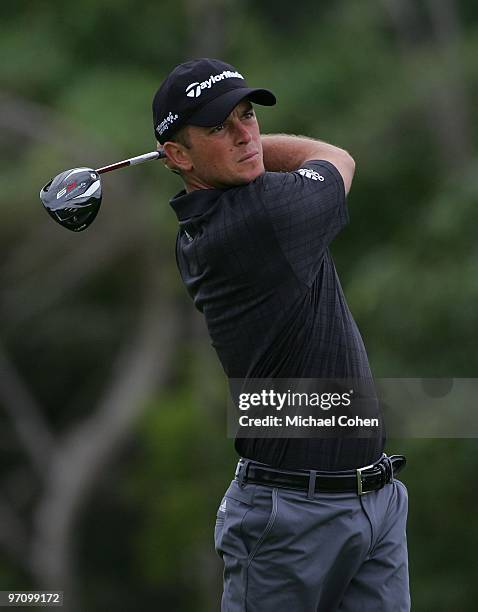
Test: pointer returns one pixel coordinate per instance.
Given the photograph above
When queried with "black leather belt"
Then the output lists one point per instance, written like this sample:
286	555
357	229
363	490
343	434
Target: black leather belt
361	480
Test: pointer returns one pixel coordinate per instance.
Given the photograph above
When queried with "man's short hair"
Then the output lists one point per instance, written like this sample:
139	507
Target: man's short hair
182	137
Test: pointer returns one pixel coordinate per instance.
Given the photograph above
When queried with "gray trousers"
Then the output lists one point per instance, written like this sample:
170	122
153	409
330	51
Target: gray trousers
283	552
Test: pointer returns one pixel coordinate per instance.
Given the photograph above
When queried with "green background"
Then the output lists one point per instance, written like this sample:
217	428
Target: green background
112	404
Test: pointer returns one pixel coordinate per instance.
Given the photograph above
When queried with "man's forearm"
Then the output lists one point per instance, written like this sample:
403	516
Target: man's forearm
286	153
283	152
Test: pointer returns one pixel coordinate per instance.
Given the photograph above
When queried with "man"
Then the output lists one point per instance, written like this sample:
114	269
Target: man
295	530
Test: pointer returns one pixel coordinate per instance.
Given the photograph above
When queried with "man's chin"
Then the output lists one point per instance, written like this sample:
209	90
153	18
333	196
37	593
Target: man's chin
244	177
253	173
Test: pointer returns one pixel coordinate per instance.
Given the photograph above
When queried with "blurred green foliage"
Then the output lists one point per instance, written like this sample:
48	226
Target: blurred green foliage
400	99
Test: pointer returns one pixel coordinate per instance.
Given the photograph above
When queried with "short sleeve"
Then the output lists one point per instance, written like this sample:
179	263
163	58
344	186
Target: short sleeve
307	209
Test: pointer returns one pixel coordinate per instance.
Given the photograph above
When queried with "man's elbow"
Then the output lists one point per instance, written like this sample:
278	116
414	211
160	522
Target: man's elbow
348	170
349	161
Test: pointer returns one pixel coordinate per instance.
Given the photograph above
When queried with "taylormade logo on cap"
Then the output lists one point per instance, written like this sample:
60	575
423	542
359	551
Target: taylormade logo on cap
193	90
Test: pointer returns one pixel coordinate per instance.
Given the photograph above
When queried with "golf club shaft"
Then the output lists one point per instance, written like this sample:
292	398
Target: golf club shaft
139	159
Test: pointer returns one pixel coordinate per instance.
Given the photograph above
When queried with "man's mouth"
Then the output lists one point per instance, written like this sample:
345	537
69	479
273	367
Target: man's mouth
248	156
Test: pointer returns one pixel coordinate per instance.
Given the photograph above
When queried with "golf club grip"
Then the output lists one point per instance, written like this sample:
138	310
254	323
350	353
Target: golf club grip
139	159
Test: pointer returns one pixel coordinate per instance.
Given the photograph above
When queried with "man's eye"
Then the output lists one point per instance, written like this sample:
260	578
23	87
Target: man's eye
218	128
249	114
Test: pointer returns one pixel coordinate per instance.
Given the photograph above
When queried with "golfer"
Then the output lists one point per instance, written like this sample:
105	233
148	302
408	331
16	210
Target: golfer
307	524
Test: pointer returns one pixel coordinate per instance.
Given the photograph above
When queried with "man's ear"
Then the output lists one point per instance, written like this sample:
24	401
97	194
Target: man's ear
177	156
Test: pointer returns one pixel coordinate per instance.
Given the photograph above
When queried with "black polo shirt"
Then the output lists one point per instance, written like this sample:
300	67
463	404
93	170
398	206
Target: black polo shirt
256	261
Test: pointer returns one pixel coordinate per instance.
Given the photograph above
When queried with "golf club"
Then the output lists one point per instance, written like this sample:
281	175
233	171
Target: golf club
73	197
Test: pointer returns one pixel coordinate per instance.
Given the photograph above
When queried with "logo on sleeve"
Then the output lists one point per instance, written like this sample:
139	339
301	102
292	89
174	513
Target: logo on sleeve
311	174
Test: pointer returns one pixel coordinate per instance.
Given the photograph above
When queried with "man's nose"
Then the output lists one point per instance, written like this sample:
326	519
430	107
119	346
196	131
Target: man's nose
242	133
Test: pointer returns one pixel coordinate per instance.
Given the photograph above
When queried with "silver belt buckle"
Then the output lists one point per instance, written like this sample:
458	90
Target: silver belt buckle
359	471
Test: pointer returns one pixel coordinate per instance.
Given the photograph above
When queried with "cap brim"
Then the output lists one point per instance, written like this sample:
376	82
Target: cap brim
217	110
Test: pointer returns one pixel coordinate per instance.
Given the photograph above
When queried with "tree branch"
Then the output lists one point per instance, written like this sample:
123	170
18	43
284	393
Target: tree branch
25	415
13	538
446	103
82	455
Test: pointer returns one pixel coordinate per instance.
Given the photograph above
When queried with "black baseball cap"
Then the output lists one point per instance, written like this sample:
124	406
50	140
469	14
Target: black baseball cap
201	92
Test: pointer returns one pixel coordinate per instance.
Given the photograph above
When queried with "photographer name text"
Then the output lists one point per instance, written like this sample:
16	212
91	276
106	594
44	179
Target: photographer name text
308	421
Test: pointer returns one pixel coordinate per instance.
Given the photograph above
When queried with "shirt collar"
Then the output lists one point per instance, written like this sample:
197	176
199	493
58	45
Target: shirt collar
194	203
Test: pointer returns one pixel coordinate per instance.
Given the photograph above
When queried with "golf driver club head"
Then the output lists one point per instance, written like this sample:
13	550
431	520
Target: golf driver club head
73	198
